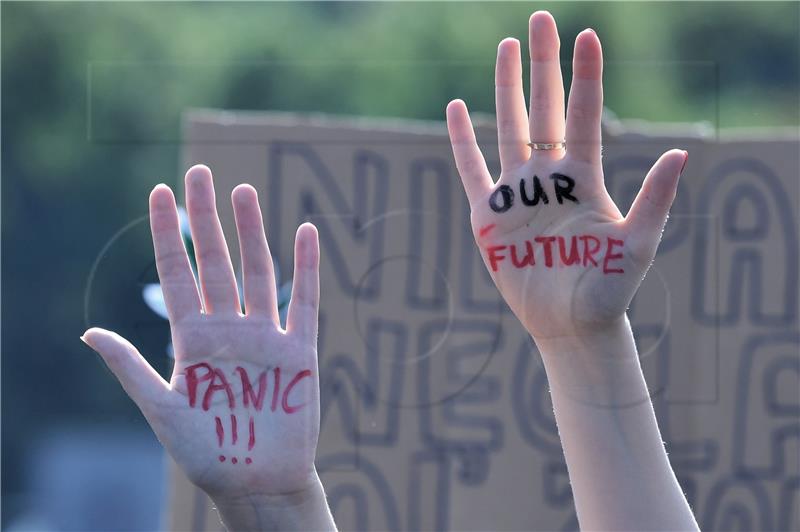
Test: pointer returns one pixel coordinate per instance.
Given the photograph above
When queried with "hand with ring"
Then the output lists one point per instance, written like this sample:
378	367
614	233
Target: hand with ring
559	250
568	263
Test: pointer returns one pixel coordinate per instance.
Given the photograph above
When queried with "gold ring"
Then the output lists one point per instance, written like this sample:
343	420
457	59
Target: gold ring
547	145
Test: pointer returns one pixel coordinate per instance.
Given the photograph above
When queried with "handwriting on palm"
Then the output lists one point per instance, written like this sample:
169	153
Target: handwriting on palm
240	414
557	247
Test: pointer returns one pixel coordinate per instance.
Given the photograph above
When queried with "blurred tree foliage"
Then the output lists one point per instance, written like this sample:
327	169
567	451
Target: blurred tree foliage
92	95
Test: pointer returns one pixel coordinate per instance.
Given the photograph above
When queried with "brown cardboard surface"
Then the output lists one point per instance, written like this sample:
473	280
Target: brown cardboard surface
436	413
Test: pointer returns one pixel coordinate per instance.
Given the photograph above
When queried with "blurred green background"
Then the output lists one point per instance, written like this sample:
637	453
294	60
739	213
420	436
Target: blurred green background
92	95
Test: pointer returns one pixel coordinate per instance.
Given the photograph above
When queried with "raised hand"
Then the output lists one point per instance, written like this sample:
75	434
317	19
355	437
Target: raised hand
560	252
568	263
240	414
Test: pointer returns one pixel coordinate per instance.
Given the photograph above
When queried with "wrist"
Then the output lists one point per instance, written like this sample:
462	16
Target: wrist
600	368
305	509
603	341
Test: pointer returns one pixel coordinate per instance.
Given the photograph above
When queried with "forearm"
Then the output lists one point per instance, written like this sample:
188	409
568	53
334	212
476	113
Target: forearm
620	474
307	511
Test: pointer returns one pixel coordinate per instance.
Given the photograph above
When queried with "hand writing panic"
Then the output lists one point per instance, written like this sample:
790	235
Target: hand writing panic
240	414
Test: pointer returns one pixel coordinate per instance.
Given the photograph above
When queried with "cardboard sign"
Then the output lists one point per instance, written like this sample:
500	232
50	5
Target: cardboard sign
435	404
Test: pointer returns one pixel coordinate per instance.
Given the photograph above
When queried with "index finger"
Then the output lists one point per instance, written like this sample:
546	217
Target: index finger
174	271
469	160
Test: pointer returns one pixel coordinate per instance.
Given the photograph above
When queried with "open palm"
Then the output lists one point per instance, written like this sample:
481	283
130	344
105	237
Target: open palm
557	247
240	414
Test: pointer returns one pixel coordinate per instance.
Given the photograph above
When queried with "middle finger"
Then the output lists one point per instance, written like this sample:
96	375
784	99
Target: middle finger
547	86
214	267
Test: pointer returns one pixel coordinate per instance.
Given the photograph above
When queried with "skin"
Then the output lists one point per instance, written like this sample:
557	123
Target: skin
619	471
578	302
280	489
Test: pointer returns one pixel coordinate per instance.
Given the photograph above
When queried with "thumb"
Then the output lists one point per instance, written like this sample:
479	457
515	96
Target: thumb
140	381
648	214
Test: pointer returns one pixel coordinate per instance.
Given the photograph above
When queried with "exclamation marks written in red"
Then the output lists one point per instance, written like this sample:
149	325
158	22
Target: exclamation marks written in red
220	429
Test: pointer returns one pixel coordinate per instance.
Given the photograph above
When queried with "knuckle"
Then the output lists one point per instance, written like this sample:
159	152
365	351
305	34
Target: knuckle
257	268
540	103
212	254
584	112
467	166
507	127
172	266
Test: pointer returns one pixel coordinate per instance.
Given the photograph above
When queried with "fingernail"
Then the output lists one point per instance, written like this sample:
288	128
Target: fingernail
590	29
508	39
685	160
83	338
